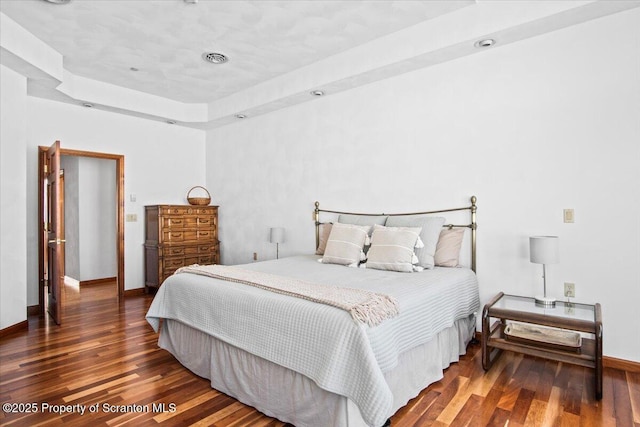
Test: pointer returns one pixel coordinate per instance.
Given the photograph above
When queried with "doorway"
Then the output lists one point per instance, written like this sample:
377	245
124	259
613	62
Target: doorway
119	226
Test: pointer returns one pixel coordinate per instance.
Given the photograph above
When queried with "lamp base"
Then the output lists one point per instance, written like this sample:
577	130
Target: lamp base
545	301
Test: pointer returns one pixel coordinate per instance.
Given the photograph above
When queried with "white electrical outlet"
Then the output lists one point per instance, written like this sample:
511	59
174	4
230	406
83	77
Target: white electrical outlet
569	290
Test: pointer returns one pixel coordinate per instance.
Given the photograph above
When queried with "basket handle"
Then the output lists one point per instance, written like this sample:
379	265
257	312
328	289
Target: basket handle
198	186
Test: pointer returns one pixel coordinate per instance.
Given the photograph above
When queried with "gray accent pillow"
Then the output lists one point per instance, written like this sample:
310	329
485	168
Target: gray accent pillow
363	220
431	227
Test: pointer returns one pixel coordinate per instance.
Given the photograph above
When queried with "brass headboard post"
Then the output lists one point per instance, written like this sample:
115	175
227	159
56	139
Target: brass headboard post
316	217
473	225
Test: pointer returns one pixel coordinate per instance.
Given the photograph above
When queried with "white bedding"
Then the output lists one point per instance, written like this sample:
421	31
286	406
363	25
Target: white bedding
292	397
323	342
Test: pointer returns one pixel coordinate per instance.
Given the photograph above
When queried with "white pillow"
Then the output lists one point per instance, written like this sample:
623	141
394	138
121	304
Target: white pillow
431	227
345	244
392	248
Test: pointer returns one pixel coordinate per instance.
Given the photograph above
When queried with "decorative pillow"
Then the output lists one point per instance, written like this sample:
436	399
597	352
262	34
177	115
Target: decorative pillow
392	248
362	220
345	244
325	230
431	227
448	248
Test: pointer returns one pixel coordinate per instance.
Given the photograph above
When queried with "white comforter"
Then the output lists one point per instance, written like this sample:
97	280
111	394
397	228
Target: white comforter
320	341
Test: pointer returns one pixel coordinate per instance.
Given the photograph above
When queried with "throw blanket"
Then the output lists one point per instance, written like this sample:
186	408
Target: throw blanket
364	306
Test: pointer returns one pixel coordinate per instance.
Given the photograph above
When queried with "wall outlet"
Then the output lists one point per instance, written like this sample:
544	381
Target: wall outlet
255	256
569	216
569	290
569	309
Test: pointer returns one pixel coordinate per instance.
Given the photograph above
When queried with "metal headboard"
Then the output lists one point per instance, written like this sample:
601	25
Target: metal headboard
472	225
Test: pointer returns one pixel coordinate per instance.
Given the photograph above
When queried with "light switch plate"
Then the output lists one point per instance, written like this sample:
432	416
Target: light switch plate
131	218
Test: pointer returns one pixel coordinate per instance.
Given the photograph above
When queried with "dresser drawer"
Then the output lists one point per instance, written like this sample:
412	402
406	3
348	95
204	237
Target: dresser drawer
173	263
192	249
174	251
189	210
199	221
187	221
203	249
206	259
173	236
172	222
170	265
206	235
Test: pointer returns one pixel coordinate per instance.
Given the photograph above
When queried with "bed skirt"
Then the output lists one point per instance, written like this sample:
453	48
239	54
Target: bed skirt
292	397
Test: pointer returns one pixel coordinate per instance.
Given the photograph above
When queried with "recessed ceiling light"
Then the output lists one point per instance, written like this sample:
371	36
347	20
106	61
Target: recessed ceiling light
87	104
134	69
171	122
191	1
215	57
58	1
317	92
241	116
485	43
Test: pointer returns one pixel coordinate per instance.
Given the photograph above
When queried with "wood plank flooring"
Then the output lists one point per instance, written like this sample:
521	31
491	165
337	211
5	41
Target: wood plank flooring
106	354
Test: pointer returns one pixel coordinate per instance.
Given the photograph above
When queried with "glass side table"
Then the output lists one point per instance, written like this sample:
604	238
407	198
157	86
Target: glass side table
524	327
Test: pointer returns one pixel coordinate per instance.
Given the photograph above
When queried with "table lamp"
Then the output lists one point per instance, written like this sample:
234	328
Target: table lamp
277	236
544	250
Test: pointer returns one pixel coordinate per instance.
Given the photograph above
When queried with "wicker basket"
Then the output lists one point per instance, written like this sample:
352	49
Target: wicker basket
199	201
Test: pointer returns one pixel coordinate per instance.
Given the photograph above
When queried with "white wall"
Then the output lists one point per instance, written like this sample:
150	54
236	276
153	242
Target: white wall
98	218
161	163
530	128
13	199
71	165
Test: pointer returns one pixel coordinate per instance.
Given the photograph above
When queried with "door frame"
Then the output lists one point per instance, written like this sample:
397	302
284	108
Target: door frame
119	159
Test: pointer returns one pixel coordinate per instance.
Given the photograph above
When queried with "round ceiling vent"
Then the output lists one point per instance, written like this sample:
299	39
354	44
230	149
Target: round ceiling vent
485	43
215	57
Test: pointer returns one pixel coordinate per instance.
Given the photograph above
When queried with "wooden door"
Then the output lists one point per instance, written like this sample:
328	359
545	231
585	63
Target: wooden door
55	238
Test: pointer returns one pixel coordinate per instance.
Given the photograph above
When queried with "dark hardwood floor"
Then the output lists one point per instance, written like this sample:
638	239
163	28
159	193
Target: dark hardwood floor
105	354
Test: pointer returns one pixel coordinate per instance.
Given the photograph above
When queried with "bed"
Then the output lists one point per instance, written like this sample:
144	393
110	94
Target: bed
317	364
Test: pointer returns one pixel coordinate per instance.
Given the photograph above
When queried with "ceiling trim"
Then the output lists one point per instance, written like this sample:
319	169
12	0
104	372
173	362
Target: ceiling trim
441	39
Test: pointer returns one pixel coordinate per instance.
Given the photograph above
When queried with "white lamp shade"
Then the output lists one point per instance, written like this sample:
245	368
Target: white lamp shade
544	249
277	235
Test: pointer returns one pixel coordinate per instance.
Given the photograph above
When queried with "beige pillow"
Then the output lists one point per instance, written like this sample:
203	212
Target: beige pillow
448	248
392	248
325	230
345	244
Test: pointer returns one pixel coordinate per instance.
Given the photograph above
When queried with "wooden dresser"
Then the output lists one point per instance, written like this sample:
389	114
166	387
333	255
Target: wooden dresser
176	236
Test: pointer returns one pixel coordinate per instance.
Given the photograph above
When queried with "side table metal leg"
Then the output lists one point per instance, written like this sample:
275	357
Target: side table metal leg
599	361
